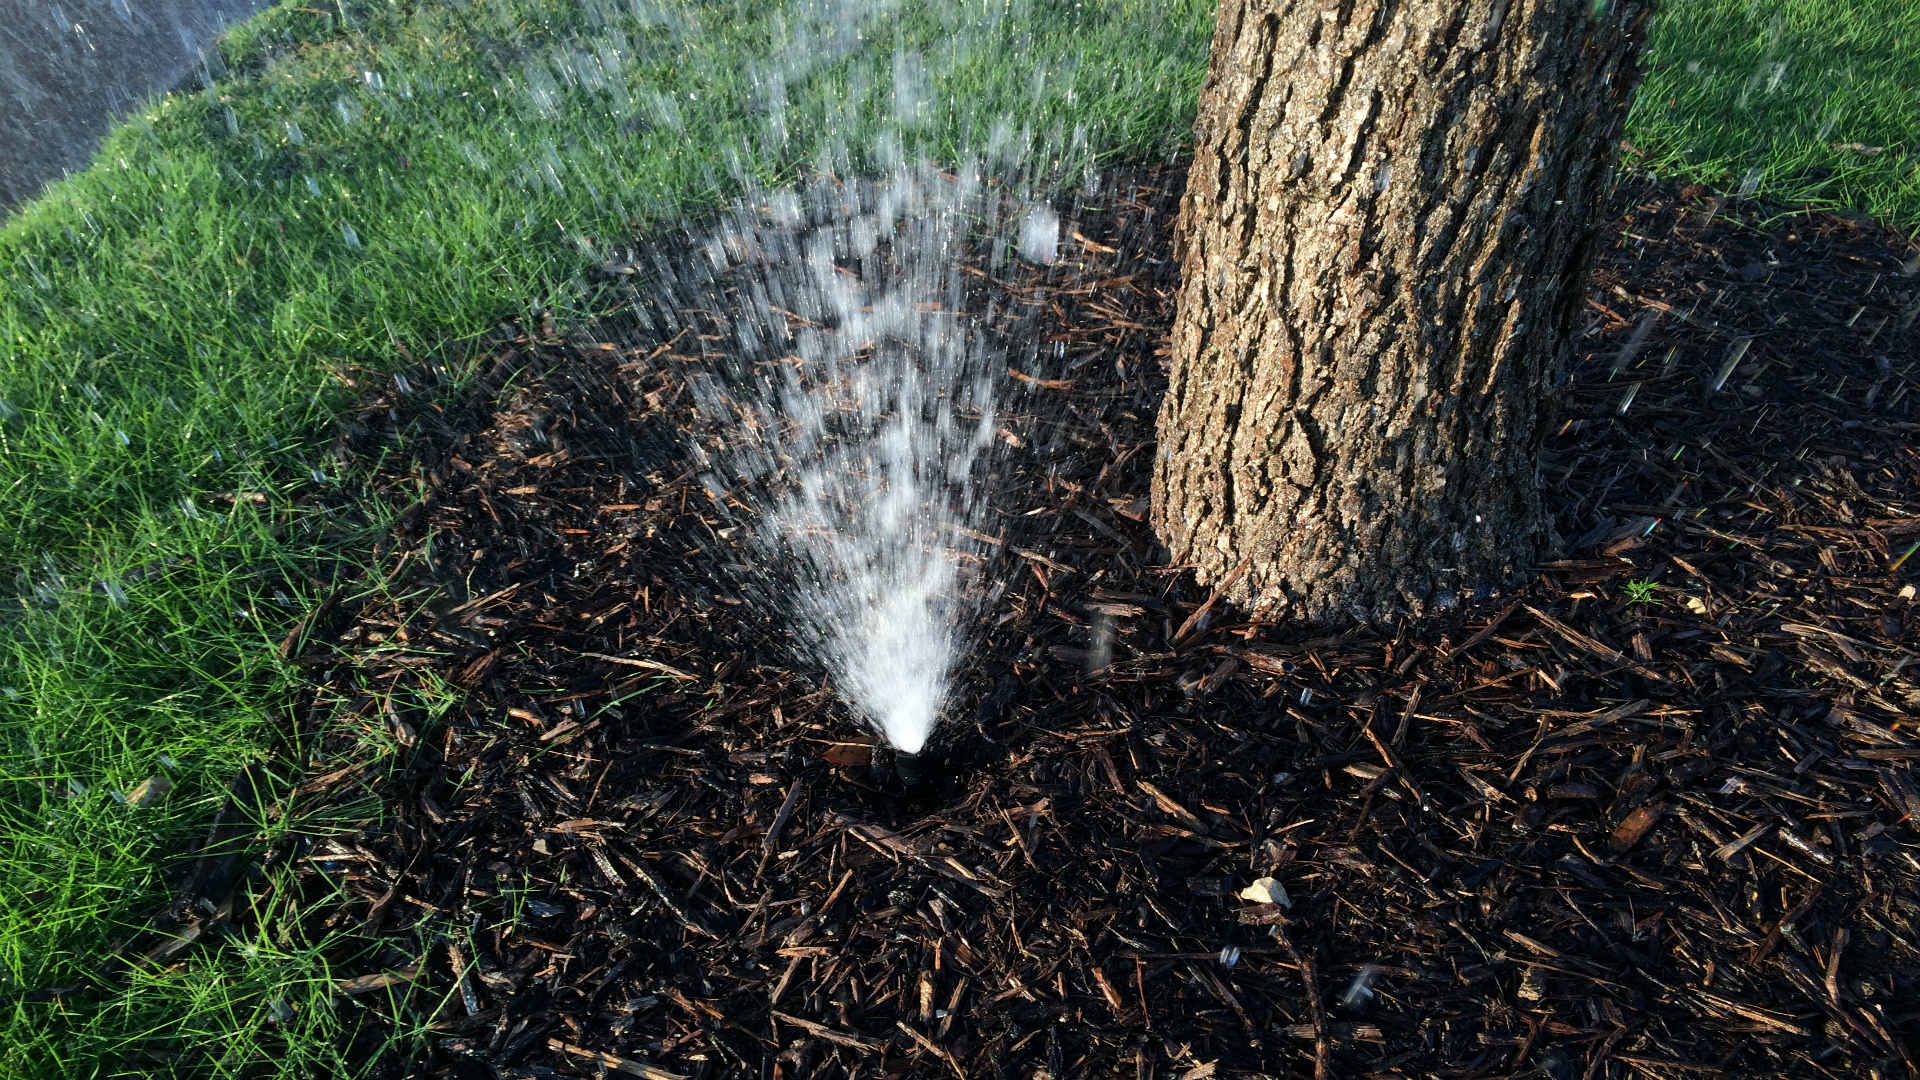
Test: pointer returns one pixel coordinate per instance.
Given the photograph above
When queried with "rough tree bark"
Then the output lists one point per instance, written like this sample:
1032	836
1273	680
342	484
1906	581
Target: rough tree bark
1385	242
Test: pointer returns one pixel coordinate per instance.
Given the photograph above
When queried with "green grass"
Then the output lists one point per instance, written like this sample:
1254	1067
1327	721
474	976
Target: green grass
373	181
1814	101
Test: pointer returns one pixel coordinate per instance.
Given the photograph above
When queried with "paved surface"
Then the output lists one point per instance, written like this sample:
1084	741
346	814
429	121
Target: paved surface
68	67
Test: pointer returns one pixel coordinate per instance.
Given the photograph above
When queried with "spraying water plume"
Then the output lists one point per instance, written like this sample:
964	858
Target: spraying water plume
853	422
852	407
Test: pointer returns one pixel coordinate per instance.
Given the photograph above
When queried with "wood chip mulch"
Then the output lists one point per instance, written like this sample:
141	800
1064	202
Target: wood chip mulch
1652	815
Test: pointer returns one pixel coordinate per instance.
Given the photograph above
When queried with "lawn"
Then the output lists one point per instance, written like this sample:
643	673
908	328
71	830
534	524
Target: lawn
364	185
1806	101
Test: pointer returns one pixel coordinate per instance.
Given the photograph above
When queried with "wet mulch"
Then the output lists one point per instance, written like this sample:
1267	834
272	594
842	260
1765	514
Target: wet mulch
1652	815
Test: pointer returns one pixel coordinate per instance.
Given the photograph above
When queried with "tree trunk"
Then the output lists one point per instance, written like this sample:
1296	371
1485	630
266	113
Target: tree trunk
1385	241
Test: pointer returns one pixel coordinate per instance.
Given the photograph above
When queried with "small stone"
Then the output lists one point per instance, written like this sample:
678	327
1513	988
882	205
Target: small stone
1267	891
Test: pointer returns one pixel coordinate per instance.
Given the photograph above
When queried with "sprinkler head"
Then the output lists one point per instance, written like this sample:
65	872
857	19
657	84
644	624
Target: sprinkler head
911	770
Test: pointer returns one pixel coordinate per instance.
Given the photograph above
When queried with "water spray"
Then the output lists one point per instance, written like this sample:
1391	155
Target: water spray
855	418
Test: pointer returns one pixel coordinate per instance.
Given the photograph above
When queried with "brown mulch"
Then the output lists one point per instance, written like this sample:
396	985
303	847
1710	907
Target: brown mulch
1566	834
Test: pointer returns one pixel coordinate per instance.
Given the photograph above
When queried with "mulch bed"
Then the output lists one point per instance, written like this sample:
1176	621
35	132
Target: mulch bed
1569	834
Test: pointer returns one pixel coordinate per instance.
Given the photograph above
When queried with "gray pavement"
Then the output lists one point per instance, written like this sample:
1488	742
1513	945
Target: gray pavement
69	67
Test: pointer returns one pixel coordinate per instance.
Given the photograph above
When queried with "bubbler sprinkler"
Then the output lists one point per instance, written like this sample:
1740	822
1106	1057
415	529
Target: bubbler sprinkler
910	769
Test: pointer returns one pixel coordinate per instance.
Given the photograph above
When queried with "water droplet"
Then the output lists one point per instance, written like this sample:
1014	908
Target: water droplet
1040	235
1360	990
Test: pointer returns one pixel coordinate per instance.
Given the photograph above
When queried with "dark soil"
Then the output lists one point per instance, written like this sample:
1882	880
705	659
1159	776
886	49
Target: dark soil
1652	815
